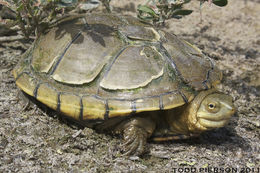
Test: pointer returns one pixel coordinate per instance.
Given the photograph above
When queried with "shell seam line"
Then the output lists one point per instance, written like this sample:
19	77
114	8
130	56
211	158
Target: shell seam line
114	60
58	102
106	115
35	92
81	110
63	53
183	97
161	106
100	98
206	80
208	73
24	72
169	59
110	66
173	64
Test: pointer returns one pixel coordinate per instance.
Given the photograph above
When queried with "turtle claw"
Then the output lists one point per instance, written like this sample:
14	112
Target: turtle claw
135	132
135	141
128	142
130	148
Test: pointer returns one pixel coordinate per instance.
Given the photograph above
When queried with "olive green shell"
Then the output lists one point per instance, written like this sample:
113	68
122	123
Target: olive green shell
99	66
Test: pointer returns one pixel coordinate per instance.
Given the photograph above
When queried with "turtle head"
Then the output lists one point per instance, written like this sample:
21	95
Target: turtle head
208	110
214	111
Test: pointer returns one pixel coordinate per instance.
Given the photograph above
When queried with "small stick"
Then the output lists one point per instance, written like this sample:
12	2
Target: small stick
11	38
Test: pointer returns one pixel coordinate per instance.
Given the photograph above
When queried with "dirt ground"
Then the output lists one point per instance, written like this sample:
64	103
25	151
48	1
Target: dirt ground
32	141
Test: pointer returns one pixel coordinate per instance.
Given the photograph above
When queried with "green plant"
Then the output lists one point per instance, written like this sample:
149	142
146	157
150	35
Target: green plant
34	16
157	11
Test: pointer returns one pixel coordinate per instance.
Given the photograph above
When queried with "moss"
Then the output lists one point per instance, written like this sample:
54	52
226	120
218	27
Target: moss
172	73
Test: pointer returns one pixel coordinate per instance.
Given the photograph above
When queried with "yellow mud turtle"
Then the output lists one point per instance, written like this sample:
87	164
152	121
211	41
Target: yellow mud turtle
114	73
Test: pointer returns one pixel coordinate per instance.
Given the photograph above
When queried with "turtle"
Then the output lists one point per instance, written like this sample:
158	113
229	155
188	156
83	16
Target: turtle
117	74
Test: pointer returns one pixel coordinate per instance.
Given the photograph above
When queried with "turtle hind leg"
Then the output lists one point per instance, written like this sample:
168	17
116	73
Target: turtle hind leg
135	132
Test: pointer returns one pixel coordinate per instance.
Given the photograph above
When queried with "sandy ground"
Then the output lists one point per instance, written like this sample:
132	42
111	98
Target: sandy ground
32	141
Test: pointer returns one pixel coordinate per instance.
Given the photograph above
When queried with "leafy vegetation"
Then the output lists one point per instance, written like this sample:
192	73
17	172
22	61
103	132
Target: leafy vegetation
157	11
34	16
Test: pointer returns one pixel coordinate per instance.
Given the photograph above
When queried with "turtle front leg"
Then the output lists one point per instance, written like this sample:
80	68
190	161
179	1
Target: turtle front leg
135	132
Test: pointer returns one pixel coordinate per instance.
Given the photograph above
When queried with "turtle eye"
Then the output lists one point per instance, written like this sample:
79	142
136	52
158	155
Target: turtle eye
213	107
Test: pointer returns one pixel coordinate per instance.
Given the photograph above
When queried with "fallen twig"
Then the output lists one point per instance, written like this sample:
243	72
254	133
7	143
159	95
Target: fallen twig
11	38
